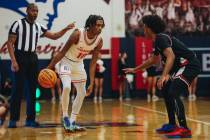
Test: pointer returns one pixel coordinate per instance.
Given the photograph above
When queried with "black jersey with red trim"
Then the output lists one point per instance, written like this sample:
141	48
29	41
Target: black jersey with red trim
183	55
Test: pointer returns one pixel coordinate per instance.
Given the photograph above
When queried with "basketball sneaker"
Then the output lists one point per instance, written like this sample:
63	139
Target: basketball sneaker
77	127
12	124
155	98
53	100
95	99
100	99
180	132
148	97
166	128
31	123
67	125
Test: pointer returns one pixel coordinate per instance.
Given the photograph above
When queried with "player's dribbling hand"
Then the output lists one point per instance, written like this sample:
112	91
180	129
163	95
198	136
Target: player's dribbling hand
129	70
89	89
162	81
51	67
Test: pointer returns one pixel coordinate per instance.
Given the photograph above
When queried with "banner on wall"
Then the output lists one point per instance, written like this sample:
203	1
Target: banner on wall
56	14
142	49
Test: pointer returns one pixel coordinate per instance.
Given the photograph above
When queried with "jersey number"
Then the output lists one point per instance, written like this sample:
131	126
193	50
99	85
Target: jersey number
81	55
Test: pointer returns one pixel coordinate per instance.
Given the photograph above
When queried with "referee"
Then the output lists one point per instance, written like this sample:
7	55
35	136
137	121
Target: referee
23	37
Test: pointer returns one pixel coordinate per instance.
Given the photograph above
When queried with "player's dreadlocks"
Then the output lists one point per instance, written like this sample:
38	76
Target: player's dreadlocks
91	21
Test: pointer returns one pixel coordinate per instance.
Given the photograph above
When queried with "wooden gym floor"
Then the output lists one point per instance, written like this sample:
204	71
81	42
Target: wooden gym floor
111	120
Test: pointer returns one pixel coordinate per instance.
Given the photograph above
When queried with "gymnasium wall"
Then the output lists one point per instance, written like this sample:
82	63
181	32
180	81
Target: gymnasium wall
199	44
56	14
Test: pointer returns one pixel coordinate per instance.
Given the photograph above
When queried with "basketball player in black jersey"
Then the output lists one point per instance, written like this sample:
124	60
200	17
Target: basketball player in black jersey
181	66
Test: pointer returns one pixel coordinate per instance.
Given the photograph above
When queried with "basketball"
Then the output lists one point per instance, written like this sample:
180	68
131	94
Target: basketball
47	78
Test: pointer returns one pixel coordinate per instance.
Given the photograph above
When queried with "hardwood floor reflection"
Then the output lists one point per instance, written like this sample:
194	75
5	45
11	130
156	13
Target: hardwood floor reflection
111	120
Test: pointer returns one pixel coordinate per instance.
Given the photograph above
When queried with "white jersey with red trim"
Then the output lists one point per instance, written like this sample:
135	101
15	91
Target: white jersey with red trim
77	52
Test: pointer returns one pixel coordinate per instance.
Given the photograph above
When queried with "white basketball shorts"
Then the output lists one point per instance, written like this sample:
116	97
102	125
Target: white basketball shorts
76	70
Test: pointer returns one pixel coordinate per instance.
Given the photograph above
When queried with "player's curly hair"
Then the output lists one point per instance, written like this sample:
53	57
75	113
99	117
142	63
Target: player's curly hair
155	23
91	21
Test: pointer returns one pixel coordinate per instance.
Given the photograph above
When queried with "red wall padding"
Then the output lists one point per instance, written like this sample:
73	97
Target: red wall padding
115	48
143	47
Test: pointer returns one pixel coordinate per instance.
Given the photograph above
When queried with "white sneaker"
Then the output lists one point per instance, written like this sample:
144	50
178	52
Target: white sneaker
182	97
120	98
127	99
100	99
148	98
155	98
190	97
95	99
53	100
194	97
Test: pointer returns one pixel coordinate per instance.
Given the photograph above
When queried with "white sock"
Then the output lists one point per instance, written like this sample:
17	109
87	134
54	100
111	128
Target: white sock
66	81
78	101
73	117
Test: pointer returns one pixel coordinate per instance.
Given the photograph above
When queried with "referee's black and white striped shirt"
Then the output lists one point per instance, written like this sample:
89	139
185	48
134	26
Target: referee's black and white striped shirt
28	34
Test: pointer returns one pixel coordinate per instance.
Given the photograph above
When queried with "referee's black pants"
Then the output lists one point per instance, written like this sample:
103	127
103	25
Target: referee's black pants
178	85
28	70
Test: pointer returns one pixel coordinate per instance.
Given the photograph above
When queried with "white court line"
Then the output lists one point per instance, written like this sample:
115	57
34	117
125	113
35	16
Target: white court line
163	113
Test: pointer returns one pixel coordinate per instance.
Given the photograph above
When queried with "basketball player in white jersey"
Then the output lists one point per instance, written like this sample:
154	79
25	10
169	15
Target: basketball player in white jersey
71	67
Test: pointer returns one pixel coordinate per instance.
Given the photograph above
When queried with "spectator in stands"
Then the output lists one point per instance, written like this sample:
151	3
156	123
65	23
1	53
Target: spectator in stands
171	10
134	18
182	17
190	14
159	10
200	24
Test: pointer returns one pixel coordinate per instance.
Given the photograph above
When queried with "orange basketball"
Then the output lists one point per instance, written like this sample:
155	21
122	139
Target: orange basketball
47	78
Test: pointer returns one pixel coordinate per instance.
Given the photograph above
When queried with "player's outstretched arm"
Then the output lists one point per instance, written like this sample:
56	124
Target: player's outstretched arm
92	67
152	60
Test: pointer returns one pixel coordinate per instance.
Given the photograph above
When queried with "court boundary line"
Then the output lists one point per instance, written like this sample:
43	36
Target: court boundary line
163	113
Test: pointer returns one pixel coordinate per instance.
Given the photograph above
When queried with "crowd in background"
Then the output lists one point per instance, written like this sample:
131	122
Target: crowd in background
183	17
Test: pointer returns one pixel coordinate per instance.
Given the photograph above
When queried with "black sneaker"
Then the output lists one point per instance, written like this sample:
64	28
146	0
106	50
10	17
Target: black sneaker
12	124
31	124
